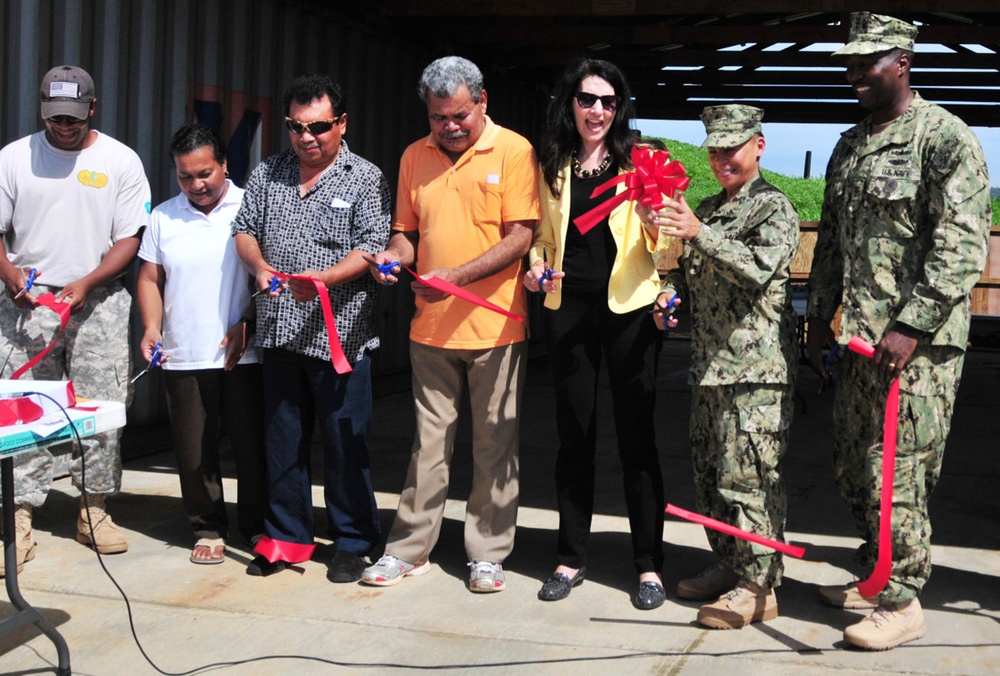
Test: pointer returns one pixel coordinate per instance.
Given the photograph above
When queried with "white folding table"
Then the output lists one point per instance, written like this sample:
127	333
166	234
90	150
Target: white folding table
89	418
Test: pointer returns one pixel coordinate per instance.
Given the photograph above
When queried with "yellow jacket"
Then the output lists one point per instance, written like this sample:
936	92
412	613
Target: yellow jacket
634	281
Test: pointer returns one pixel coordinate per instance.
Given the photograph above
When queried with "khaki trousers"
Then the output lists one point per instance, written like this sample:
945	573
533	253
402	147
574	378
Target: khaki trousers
495	378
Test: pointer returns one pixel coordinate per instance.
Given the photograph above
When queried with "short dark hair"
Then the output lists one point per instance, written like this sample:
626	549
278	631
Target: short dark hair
196	135
307	88
560	137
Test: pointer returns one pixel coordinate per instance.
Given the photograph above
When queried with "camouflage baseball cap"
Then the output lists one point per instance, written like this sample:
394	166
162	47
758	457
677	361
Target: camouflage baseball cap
730	126
874	33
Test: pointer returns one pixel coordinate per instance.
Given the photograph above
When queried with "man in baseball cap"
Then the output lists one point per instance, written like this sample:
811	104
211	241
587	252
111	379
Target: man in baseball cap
73	202
902	240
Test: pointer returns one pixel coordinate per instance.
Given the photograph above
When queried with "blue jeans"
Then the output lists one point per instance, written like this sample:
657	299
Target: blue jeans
297	389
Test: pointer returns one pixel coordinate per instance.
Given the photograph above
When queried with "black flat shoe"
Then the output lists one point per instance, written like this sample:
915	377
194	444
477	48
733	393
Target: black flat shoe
558	587
345	567
650	595
261	567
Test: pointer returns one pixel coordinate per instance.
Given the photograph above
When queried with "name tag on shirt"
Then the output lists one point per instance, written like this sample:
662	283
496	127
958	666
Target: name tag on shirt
493	179
337	203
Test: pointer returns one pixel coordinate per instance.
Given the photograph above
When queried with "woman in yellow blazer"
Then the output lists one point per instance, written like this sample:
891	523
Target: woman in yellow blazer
595	309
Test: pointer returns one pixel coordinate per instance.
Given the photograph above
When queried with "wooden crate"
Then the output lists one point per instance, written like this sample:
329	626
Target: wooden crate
986	295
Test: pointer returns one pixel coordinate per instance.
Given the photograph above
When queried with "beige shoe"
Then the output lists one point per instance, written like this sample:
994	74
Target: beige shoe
736	609
888	626
847	596
107	539
24	541
708	585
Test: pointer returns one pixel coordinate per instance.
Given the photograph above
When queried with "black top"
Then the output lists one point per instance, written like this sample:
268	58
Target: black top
588	258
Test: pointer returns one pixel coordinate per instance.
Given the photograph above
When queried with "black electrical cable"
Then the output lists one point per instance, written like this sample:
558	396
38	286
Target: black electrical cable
264	658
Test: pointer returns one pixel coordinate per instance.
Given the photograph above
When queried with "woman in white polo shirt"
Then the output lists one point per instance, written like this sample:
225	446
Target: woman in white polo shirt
194	297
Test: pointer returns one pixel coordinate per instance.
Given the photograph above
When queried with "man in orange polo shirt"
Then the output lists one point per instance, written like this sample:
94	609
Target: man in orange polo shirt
466	206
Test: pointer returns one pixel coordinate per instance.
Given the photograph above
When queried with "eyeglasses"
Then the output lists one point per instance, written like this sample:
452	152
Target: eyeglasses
587	100
315	128
65	120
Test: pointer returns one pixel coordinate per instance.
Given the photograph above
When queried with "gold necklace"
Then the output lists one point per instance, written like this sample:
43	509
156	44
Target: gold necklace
580	172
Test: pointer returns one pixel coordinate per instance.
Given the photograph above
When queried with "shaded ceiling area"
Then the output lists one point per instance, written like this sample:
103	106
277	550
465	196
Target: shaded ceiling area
682	55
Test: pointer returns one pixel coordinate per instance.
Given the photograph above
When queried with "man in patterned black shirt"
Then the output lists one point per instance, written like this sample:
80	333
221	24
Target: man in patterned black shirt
315	210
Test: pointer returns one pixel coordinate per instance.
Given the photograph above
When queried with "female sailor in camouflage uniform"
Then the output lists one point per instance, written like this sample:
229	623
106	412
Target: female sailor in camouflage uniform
734	275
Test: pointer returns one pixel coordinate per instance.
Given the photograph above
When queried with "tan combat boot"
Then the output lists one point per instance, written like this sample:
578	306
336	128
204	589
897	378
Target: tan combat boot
107	539
847	596
709	583
747	603
24	541
888	626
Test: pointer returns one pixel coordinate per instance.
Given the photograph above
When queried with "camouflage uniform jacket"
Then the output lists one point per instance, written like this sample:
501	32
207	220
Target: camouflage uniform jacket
735	278
905	228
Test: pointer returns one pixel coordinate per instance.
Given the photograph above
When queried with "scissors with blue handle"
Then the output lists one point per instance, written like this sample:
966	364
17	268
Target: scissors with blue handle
271	289
28	284
547	274
153	363
384	268
665	309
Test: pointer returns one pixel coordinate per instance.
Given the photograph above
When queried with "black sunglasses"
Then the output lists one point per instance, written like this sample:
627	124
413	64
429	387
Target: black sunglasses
587	100
315	128
66	120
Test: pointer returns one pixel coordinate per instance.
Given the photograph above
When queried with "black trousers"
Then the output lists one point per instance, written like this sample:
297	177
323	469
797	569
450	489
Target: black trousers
198	401
581	333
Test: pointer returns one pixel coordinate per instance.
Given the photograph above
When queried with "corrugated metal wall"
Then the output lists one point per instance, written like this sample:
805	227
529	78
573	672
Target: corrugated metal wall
154	62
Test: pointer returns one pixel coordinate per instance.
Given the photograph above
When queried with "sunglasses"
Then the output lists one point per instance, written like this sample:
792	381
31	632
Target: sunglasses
65	120
315	128
587	100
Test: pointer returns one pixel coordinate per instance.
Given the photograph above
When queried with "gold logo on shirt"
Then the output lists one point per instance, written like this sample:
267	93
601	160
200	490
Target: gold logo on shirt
92	178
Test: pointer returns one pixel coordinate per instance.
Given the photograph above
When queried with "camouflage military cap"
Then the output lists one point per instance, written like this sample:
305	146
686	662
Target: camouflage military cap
874	33
730	126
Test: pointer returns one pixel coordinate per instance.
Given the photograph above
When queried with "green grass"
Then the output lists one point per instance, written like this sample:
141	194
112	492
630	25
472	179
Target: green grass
805	193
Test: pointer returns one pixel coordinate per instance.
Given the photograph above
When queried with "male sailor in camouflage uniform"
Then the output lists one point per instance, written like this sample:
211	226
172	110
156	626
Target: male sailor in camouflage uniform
902	240
735	276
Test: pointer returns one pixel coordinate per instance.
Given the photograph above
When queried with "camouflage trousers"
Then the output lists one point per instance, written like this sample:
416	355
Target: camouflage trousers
739	434
927	397
93	352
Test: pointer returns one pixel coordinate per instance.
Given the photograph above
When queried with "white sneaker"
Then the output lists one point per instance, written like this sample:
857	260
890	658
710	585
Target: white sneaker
486	576
389	570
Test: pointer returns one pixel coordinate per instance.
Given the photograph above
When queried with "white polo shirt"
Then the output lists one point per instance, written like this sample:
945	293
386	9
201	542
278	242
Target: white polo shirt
205	290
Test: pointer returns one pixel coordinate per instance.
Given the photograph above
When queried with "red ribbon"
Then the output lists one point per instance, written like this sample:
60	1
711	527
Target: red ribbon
791	550
337	356
879	578
18	411
61	309
280	550
444	286
655	176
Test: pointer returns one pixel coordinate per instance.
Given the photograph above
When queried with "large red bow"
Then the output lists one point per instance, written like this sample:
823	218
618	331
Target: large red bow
655	176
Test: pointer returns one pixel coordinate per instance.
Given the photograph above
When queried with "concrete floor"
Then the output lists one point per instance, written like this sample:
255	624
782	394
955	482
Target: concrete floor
188	616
